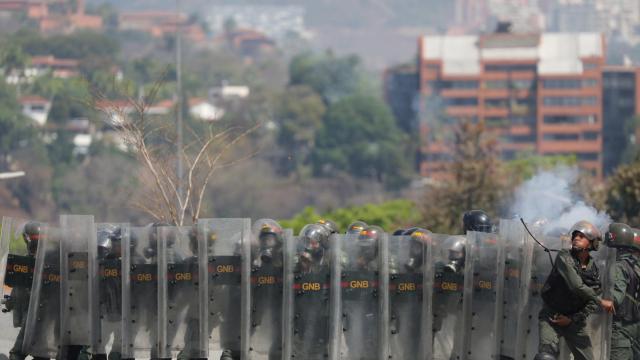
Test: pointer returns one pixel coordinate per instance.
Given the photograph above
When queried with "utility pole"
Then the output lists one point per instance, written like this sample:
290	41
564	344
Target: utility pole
179	100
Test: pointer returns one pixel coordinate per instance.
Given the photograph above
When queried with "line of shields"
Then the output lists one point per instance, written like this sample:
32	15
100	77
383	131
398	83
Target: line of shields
218	289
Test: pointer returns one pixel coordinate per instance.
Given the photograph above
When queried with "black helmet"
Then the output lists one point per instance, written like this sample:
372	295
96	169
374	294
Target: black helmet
368	241
152	249
331	226
269	238
31	234
315	239
398	232
477	220
418	238
355	227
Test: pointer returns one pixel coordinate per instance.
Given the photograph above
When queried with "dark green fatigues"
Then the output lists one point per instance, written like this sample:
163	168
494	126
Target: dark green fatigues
625	337
573	292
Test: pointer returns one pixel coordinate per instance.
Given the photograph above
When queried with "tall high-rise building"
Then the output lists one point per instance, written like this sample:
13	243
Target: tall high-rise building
541	93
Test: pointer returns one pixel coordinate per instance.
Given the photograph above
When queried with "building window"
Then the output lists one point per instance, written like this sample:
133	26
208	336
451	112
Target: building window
496	103
38	108
509	68
495	84
461	101
470	84
518	84
569	100
590	66
588	156
561	84
560	137
522	138
568	119
590	135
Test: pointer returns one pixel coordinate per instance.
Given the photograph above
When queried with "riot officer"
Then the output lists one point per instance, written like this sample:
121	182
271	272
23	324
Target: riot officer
405	294
109	240
18	301
360	305
570	295
311	303
625	280
267	291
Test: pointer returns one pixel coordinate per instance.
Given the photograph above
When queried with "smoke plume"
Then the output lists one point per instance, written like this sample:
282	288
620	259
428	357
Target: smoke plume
547	200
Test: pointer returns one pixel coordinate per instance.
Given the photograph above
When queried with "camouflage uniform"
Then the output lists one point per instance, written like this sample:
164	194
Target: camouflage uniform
573	292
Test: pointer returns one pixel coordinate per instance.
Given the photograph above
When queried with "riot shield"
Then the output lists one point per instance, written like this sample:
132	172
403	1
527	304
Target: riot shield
308	307
16	277
267	294
227	249
78	285
406	255
515	295
181	293
42	331
364	306
600	323
110	238
447	265
140	293
484	267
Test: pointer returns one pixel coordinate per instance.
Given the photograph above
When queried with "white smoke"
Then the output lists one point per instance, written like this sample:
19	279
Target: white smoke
547	199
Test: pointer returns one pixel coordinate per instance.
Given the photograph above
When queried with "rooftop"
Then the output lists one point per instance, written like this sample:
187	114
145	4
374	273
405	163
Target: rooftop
554	53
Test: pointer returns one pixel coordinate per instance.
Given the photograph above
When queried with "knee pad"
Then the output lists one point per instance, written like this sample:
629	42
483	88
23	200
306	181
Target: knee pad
544	356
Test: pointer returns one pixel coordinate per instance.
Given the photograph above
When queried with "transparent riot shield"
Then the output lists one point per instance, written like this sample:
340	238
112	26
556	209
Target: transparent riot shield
406	255
42	332
110	238
448	259
17	260
541	264
363	302
600	323
267	293
78	285
484	267
140	293
228	250
308	307
181	293
515	291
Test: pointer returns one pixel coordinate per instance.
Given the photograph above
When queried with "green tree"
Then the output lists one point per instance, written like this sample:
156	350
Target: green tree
360	137
623	194
332	77
299	115
12	59
15	129
475	180
389	215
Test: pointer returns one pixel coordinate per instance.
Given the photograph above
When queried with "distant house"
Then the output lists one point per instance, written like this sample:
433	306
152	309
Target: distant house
204	110
248	43
229	92
36	108
83	133
54	16
115	111
161	23
61	68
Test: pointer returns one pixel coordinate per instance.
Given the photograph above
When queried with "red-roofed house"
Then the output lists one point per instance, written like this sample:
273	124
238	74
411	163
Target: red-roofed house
36	108
62	68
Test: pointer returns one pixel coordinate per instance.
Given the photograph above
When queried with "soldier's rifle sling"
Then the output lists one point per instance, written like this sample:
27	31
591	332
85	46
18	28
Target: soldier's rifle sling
546	249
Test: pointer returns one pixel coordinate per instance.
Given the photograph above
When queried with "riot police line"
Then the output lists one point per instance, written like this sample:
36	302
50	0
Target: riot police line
230	289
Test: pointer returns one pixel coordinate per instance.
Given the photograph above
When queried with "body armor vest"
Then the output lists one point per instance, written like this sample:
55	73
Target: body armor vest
556	293
629	309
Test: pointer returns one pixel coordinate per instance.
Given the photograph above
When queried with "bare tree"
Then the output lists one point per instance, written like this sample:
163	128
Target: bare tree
152	139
